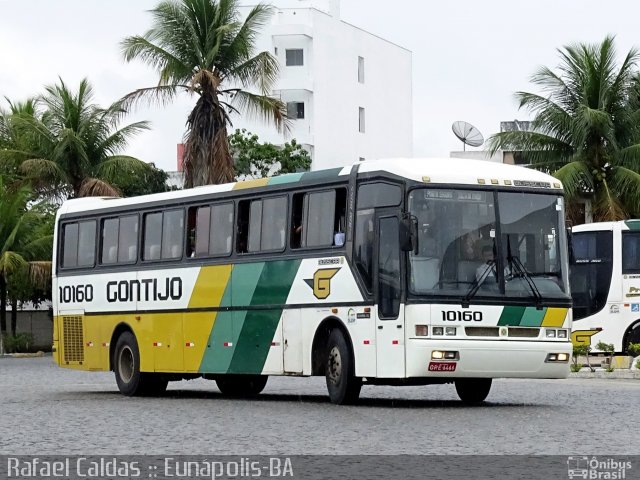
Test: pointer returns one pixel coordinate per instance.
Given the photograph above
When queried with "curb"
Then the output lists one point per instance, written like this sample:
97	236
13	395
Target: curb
615	375
24	355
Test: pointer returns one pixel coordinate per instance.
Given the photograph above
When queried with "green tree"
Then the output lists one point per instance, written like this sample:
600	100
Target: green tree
585	128
23	244
203	48
13	145
154	180
255	159
69	146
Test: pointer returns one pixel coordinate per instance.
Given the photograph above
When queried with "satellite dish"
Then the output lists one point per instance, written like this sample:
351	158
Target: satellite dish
468	134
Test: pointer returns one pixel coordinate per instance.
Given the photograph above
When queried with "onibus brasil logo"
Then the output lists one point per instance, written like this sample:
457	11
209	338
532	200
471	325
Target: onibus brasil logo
597	468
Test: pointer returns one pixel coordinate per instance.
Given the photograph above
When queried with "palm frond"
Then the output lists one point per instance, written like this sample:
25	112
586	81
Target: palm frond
577	180
40	274
94	187
11	262
113	167
160	95
269	109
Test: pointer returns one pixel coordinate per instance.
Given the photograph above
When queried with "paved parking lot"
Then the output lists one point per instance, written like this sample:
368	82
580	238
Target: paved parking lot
49	410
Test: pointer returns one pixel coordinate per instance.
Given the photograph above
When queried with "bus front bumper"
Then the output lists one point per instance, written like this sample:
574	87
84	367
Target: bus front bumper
487	359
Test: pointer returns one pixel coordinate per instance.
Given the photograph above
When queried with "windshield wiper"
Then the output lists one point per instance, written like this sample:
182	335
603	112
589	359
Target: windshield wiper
522	273
475	286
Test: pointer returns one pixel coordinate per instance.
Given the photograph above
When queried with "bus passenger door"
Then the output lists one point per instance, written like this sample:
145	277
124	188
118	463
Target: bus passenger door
388	284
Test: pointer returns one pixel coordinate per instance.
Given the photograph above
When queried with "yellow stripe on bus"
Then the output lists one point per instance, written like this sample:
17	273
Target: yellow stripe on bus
208	292
554	317
259	182
210	286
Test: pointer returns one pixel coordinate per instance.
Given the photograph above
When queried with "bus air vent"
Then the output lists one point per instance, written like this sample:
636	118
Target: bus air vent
524	332
72	339
482	331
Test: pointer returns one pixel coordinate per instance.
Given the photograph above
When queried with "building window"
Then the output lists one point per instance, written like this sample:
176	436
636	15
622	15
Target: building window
361	69
295	57
361	120
275	51
361	159
295	110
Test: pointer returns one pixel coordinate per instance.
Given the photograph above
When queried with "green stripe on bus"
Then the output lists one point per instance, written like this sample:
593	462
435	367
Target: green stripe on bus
511	316
288	178
260	326
633	224
321	174
532	317
228	325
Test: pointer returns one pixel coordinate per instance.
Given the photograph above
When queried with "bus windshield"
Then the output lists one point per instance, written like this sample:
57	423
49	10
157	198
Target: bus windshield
481	243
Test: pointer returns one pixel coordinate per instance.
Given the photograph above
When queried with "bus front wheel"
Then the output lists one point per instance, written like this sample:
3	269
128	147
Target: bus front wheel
473	391
126	365
343	386
241	385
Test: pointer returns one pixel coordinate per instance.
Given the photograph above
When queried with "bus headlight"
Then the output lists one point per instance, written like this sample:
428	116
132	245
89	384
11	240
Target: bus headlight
450	331
438	330
557	357
562	334
551	333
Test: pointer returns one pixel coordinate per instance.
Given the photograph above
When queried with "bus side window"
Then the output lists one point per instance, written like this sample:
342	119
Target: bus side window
79	244
318	219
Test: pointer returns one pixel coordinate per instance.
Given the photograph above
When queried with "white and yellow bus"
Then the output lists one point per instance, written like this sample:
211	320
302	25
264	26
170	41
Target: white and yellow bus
395	272
605	283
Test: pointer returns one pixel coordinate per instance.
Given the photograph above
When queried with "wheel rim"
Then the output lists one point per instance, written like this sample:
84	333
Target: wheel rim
126	364
335	366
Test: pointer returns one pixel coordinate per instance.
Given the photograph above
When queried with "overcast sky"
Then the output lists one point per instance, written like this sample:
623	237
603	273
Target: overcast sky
469	56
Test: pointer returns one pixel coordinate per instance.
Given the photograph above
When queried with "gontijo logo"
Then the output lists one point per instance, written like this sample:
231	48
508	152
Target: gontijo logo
321	282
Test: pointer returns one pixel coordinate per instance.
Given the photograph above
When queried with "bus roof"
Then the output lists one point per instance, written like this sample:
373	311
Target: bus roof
632	224
454	171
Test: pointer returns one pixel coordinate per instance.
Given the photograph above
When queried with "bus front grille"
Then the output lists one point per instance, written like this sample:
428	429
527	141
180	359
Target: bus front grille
72	342
523	332
482	331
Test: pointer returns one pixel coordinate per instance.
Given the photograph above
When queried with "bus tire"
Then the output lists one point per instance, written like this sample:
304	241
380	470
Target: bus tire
241	385
473	391
342	384
126	365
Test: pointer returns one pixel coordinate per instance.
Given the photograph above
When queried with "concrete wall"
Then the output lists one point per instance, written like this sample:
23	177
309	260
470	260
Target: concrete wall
38	323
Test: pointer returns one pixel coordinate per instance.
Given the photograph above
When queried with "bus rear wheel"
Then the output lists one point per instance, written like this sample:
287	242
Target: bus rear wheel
343	386
242	385
126	366
473	391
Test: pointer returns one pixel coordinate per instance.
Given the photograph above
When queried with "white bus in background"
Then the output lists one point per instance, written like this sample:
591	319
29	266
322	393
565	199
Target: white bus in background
605	283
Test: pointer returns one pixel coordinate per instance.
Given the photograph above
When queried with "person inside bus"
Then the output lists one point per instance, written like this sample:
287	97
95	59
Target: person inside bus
487	269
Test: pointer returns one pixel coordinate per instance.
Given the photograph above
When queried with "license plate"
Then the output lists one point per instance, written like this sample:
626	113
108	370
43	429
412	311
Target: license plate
442	366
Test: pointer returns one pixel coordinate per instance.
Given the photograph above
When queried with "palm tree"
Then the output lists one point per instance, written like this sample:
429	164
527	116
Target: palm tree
69	146
586	128
20	247
202	47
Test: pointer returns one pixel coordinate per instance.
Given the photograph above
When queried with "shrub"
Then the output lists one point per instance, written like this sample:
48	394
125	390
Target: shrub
633	349
19	343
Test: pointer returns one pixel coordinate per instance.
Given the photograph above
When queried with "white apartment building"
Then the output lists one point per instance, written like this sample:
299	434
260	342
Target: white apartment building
348	91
